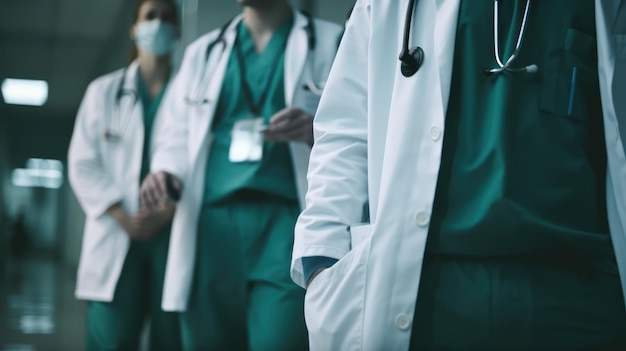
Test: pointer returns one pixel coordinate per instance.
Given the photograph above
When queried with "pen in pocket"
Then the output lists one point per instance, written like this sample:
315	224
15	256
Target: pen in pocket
572	91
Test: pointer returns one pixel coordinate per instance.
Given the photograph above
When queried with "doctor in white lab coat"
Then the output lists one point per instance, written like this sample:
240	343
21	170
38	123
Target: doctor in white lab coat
499	195
124	249
232	234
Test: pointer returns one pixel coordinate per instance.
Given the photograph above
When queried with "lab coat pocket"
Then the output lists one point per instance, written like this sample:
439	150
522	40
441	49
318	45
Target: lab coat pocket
334	301
570	77
359	233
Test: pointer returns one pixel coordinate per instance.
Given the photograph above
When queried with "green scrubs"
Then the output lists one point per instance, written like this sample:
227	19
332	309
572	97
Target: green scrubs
118	325
522	303
266	80
519	210
242	296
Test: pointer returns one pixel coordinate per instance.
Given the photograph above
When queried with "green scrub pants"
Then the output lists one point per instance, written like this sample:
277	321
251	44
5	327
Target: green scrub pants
510	304
118	325
243	297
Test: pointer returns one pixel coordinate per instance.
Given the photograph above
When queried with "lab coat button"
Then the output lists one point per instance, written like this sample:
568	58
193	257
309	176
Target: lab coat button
423	219
435	133
403	321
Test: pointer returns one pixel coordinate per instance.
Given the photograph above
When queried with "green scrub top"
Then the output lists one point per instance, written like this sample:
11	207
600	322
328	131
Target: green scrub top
264	73
523	163
150	109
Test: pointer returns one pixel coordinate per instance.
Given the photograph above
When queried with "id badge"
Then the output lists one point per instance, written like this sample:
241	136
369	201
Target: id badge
247	141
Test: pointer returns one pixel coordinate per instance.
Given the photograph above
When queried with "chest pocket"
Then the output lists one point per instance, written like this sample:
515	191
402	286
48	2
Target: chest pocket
570	83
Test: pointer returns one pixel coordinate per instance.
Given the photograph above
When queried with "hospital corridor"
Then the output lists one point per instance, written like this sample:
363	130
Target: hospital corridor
38	309
50	51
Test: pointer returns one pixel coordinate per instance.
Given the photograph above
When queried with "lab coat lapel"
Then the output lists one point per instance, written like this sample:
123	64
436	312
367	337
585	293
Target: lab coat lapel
619	75
202	115
134	127
612	8
130	79
611	88
445	38
295	56
434	29
418	105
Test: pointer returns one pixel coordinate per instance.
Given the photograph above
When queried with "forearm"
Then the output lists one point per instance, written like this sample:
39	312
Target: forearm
117	212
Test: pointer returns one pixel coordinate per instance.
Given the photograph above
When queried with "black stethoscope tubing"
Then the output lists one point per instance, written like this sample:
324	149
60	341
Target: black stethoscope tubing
122	123
412	59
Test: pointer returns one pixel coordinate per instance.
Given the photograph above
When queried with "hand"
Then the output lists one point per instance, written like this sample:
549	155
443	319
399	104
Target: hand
315	274
146	224
154	189
152	220
290	124
130	224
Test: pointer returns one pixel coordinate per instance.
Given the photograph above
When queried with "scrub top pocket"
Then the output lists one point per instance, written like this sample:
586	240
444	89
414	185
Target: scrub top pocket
570	77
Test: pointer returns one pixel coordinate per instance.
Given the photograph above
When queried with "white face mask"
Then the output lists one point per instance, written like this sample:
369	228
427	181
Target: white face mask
155	37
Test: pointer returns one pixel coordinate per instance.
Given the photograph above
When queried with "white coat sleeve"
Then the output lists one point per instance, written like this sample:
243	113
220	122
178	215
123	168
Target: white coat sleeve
611	35
170	136
618	33
337	175
91	181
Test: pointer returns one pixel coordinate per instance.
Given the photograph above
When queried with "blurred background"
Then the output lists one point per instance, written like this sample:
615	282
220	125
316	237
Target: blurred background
66	44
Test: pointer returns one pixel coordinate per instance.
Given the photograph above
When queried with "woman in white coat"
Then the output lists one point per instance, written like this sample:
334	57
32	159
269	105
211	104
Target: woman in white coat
124	249
491	160
232	235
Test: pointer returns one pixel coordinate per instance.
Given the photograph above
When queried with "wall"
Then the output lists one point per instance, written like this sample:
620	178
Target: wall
26	135
39	208
71	224
3	184
4	168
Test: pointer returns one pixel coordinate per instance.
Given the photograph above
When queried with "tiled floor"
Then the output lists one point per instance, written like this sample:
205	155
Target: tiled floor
38	311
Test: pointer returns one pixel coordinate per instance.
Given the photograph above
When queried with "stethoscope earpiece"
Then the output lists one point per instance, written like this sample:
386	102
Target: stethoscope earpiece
505	66
411	61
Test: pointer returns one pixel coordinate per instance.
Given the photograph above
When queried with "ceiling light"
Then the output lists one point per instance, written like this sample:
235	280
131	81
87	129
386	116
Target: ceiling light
40	163
25	92
37	178
39	173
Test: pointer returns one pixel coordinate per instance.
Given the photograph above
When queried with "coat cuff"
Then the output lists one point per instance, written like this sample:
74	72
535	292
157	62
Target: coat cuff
313	263
109	199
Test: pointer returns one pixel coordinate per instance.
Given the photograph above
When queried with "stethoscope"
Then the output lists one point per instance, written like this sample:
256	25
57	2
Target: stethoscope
413	58
198	97
117	122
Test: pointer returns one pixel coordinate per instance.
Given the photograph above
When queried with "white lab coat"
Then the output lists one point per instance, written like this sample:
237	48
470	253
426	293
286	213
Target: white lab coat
183	141
103	173
379	140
